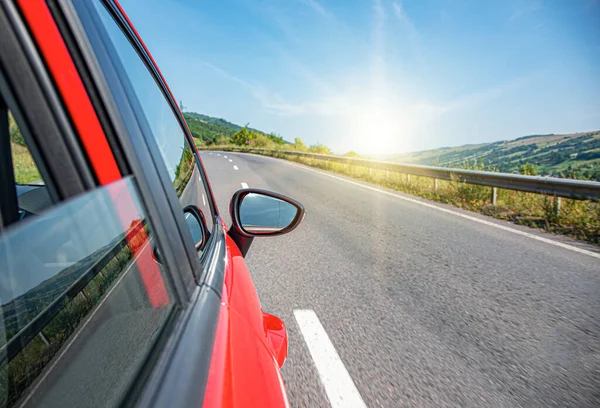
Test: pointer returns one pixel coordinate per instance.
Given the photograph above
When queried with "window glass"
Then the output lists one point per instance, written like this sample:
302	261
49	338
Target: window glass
26	171
32	195
82	301
164	125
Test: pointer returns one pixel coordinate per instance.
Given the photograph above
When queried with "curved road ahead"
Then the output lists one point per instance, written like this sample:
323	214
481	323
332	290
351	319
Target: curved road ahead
424	307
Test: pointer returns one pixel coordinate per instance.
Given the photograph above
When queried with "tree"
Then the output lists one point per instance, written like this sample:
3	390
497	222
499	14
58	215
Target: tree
242	136
528	169
299	145
261	140
319	148
223	140
351	153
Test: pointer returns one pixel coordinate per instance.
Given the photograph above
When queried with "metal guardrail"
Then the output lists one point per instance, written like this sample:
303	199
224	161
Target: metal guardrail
18	342
575	189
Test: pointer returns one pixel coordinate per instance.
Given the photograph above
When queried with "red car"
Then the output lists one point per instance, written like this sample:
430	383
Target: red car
120	283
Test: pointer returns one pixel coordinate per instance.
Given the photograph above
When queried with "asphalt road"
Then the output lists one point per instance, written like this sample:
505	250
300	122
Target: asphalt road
424	308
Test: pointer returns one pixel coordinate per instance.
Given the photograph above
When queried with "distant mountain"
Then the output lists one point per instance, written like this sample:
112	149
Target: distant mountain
574	155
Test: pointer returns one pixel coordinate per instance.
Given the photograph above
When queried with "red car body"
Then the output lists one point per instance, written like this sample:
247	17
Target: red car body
249	346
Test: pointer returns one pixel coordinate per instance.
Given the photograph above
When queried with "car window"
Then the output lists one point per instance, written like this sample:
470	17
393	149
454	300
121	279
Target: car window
30	189
26	171
175	150
82	299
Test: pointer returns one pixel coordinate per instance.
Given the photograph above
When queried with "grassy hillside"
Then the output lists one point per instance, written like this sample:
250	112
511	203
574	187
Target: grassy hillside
208	130
575	155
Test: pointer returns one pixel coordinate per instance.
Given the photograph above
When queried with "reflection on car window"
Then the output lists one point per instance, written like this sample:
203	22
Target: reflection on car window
166	129
82	301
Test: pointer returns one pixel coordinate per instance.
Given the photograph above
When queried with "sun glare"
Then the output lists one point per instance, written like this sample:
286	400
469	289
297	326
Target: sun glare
378	131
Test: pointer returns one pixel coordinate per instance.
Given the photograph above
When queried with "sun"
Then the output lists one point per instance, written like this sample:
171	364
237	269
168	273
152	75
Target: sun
377	130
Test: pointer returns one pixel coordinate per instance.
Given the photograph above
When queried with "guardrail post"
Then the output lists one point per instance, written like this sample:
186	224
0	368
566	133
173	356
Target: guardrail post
435	185
557	202
408	178
44	339
494	195
369	171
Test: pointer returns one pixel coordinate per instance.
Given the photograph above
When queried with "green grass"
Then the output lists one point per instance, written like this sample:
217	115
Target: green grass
576	218
25	169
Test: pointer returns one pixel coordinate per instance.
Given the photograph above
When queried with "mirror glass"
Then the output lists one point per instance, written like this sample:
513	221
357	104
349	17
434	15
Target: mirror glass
195	229
261	214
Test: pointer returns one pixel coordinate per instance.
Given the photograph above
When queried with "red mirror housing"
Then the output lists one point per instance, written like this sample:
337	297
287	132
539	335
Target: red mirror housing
276	335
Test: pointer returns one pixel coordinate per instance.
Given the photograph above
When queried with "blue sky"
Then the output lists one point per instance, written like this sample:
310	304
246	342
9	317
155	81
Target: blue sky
382	76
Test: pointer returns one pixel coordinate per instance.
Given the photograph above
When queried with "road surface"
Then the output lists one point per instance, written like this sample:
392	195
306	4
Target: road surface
423	306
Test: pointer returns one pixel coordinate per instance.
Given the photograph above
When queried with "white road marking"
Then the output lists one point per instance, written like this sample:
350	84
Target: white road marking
230	161
244	185
455	213
66	348
235	167
218	154
338	385
224	157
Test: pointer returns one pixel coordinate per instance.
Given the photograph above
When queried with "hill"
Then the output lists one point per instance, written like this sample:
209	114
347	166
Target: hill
210	130
574	155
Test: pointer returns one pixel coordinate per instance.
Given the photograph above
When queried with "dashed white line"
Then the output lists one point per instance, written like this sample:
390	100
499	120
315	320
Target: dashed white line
224	157
244	185
218	154
338	385
235	168
447	211
230	161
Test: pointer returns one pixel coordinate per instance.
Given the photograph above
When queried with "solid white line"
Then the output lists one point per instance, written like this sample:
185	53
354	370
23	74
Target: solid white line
455	213
115	285
235	167
244	185
338	385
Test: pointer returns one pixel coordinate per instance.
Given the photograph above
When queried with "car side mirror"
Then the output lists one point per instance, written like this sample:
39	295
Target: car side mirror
258	213
194	219
196	223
